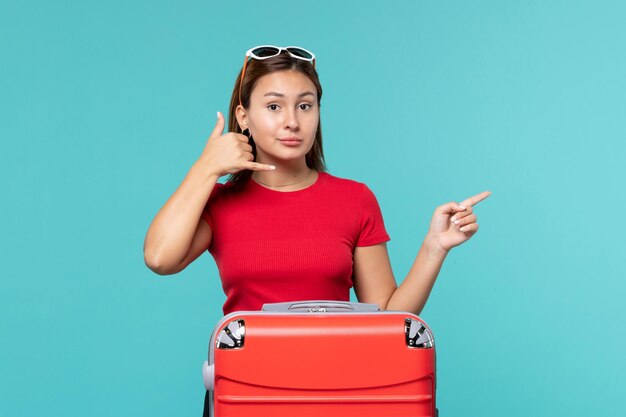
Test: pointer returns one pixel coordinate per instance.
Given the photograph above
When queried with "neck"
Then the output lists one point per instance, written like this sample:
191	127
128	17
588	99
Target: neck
285	174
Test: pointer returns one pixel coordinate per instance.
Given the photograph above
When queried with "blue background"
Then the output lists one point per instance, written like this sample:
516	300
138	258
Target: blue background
104	106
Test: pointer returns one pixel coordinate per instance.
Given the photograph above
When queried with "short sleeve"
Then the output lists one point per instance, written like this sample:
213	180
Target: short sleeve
206	212
371	226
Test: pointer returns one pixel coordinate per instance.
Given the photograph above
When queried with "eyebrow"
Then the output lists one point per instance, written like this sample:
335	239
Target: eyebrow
274	93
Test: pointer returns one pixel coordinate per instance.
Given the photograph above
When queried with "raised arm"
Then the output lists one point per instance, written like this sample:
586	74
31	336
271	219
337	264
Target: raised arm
451	225
177	235
174	228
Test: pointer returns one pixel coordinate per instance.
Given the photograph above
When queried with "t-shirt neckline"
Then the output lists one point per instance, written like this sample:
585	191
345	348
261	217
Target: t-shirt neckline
321	176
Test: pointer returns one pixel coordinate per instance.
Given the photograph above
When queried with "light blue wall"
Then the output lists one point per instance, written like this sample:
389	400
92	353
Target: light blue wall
104	106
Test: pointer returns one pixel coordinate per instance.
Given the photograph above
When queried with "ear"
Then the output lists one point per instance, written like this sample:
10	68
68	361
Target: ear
242	117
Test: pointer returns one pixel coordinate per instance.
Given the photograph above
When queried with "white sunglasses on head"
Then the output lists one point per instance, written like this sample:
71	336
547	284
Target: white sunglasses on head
270	51
262	52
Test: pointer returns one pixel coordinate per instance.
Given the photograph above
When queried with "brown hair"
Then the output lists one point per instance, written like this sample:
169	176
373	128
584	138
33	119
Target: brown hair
256	69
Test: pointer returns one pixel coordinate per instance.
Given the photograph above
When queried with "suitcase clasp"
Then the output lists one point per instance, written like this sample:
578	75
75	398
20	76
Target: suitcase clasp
418	335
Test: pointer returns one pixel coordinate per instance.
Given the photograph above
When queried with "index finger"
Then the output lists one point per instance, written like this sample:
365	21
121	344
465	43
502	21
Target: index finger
471	201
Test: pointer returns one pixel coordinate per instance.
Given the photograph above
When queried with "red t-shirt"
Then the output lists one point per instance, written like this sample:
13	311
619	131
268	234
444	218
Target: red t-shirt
274	246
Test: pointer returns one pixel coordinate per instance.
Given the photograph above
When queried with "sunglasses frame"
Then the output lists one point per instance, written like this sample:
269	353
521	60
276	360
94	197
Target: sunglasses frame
250	54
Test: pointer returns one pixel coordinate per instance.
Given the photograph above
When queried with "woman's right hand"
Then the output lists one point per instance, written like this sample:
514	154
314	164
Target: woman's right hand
229	153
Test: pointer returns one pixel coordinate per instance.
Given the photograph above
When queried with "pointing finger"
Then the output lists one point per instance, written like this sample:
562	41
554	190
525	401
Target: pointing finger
471	201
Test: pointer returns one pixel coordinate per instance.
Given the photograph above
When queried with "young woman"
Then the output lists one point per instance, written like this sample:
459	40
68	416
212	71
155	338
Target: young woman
282	228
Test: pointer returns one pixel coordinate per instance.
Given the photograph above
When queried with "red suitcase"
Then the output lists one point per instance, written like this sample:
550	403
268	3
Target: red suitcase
321	358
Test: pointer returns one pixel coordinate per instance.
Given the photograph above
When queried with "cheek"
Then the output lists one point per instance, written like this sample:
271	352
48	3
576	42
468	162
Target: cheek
267	124
312	126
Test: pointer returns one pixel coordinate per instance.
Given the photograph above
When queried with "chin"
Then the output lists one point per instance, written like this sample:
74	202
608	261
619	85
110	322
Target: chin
287	154
289	157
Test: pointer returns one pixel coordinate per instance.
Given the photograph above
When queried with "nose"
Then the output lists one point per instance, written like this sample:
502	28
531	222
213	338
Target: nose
291	119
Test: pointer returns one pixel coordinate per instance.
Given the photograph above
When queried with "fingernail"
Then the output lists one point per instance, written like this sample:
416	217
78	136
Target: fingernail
456	222
218	115
462	229
273	167
452	219
462	207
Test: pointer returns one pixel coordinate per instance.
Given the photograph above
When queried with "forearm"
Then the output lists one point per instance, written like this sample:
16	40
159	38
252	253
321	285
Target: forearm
170	235
413	293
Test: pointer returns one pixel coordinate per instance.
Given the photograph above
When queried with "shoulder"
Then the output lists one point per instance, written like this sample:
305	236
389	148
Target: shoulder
222	192
349	186
344	183
225	188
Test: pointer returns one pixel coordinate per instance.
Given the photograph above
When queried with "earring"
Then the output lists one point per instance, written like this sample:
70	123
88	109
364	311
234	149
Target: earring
246	132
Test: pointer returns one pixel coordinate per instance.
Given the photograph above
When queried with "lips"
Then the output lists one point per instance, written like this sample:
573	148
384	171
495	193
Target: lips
291	141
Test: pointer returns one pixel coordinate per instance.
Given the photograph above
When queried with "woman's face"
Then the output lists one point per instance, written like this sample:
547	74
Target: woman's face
282	116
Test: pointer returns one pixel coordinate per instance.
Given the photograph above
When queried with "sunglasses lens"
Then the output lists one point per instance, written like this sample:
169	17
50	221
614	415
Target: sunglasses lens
265	52
300	52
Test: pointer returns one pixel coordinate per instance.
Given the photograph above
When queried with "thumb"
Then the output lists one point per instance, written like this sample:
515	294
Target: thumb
450	208
219	126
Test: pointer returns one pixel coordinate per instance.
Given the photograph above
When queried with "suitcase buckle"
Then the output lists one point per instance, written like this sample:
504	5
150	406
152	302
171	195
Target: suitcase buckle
232	336
418	335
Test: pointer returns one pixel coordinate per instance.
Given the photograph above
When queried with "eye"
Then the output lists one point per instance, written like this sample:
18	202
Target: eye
272	106
307	106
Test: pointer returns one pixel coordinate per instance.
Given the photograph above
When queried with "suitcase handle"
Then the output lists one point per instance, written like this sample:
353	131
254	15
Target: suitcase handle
320	306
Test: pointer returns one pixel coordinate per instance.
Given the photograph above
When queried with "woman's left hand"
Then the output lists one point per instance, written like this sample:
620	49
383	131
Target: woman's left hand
454	223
